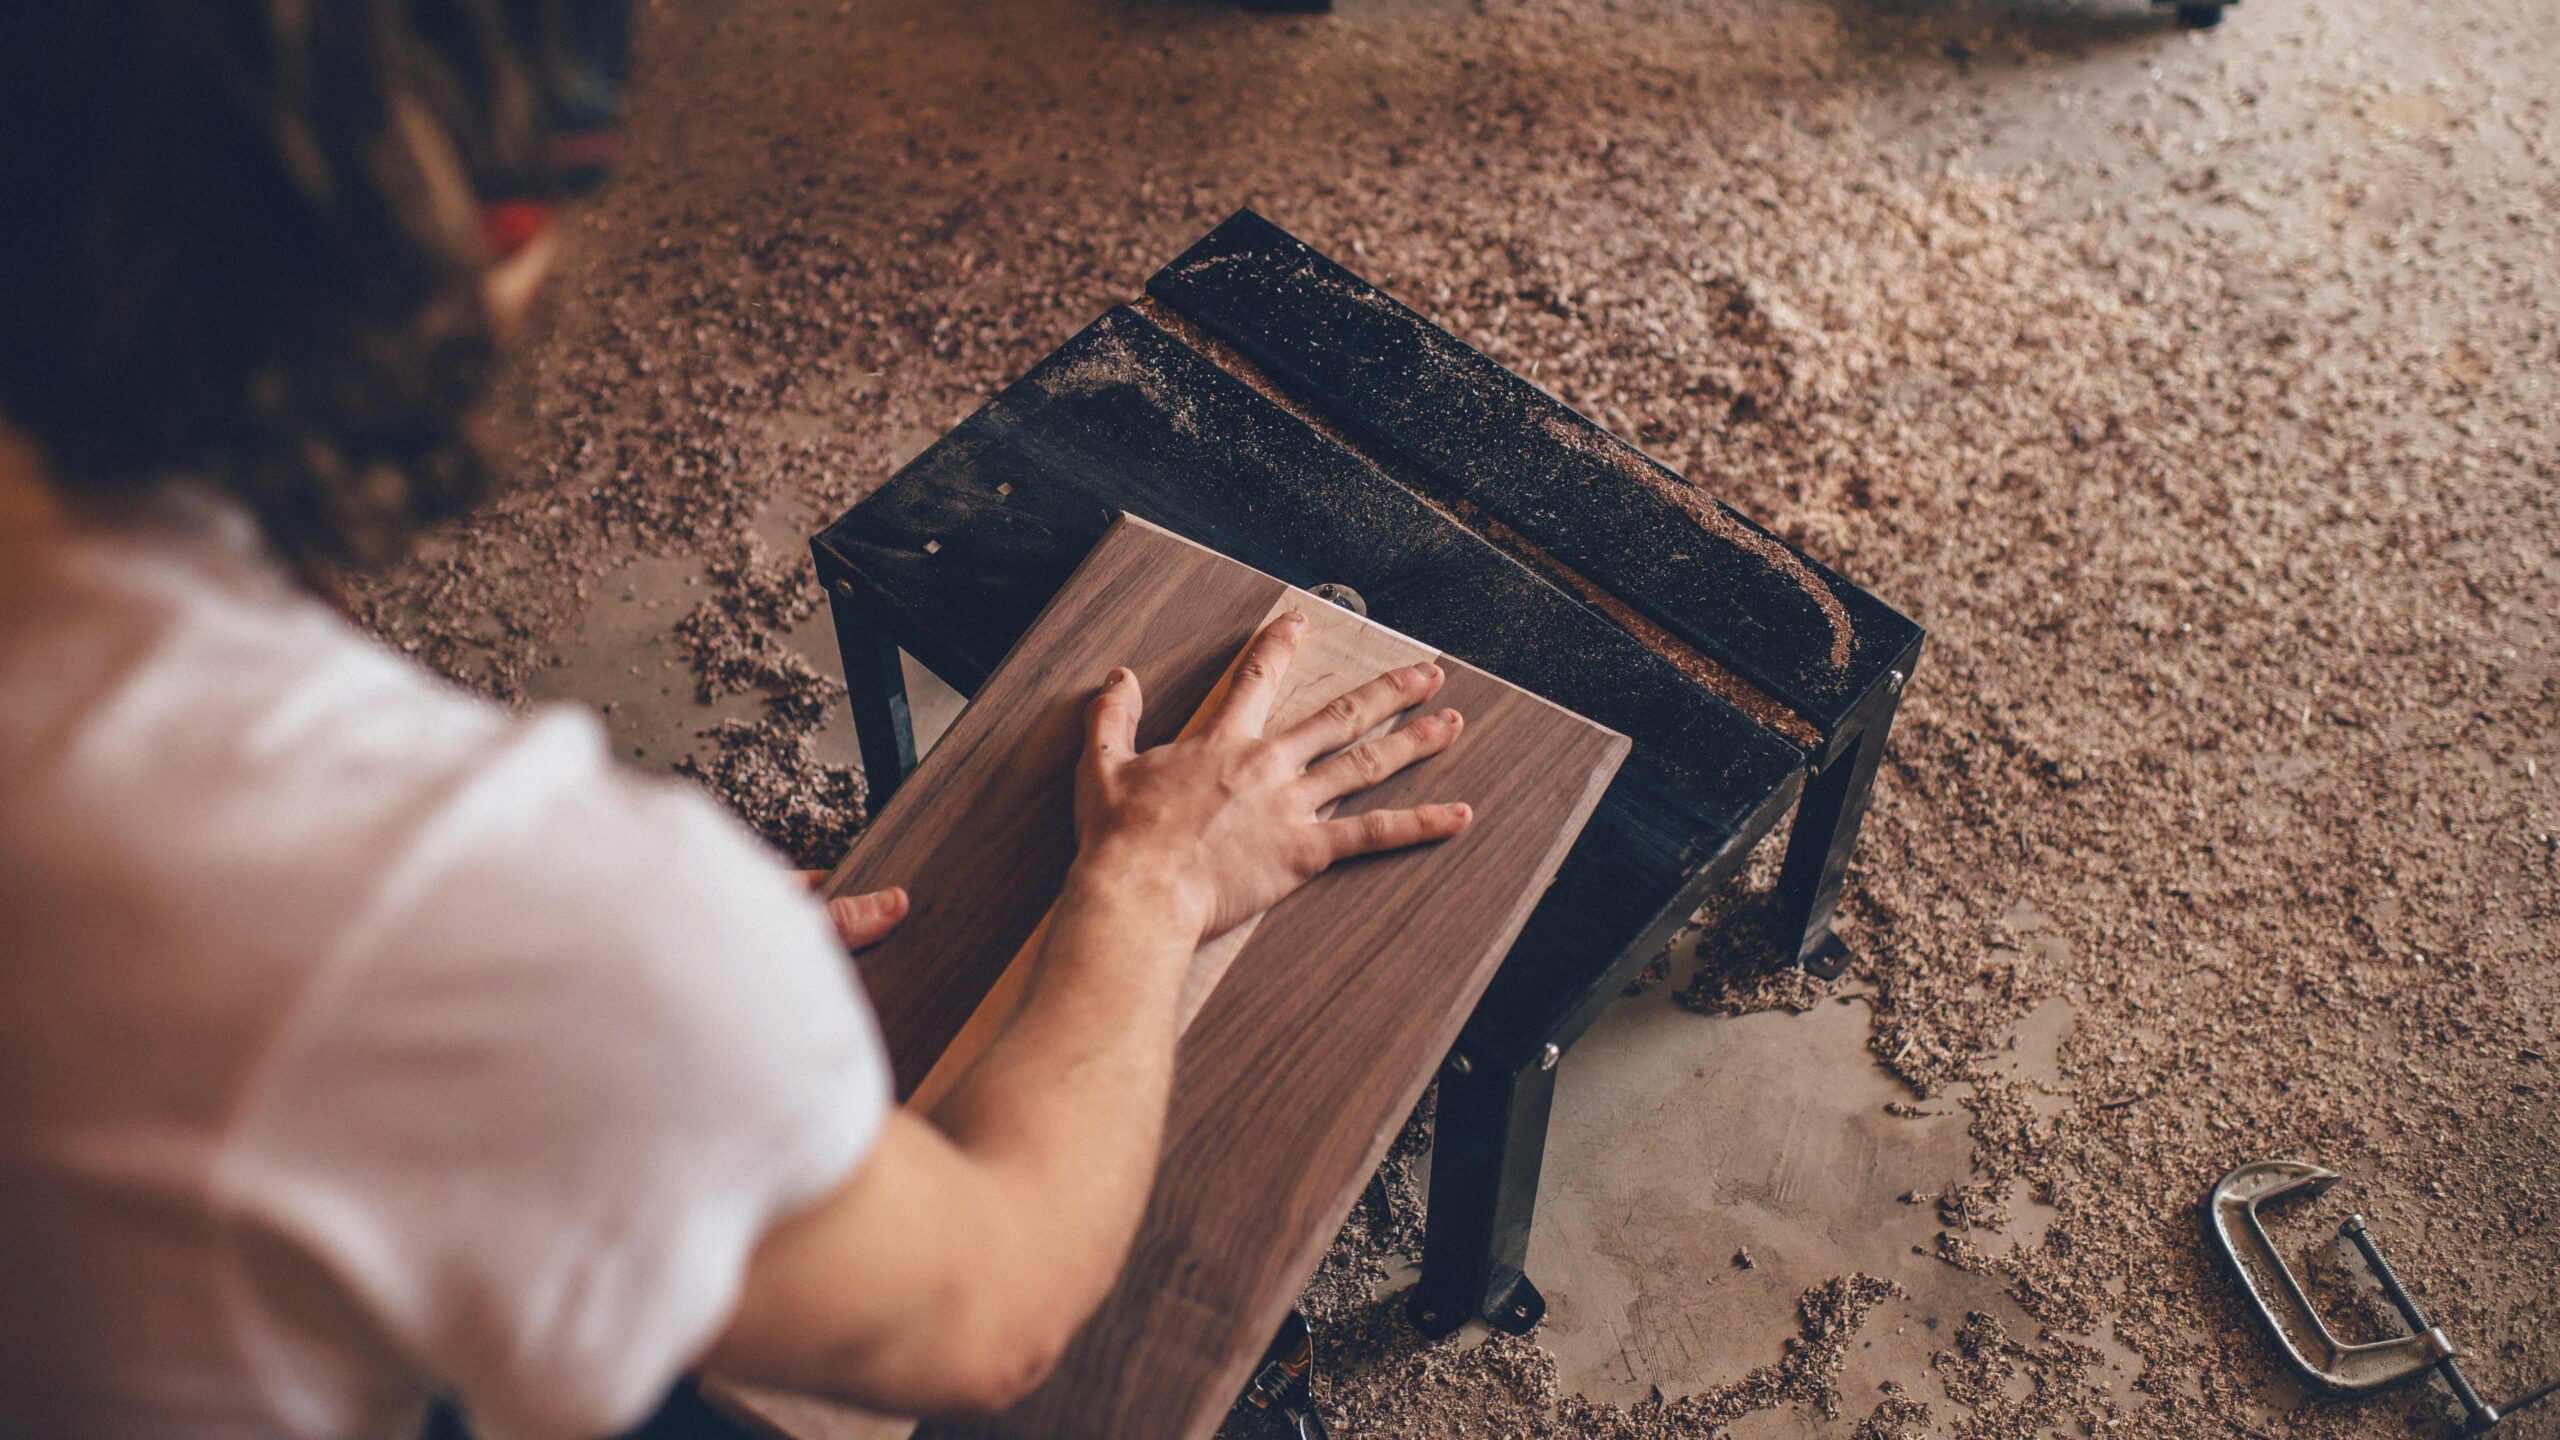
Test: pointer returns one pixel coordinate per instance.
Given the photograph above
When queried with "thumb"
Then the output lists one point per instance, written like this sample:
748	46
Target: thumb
1111	721
866	920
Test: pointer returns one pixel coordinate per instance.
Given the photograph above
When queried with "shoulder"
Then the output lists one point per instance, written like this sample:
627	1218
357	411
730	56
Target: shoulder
584	1045
545	870
216	783
170	687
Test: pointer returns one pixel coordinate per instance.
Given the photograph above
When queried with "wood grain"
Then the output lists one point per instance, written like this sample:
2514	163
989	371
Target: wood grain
1295	1076
1322	1024
1340	650
960	550
981	834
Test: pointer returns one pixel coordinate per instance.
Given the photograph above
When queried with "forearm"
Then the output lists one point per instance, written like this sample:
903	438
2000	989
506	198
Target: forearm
1066	1108
950	1270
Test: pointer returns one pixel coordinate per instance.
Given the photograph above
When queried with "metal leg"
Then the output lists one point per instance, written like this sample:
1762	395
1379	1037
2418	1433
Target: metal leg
877	687
1488	1140
1827	820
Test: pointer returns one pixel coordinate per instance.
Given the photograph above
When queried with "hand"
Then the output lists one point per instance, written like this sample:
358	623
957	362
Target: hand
1226	816
862	920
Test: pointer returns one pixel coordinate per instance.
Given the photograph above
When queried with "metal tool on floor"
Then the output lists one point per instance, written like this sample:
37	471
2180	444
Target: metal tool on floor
1283	1383
2301	1335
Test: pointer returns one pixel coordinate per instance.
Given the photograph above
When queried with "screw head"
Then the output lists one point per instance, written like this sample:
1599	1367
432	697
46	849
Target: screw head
1342	595
1893	682
1461	1064
1548	1057
1430	1317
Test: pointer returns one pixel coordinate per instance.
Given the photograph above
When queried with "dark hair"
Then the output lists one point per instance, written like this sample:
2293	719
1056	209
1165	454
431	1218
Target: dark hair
239	241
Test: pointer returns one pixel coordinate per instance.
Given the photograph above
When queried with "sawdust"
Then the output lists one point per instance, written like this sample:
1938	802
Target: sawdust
2195	394
1374	1377
1113	362
1750	699
1717	520
1685	657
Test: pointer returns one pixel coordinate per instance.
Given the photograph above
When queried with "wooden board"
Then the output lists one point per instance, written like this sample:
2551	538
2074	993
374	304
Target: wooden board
1340	650
1302	1059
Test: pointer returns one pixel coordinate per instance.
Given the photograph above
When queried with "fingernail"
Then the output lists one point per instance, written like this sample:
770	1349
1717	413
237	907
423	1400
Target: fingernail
1461	813
894	899
1294	617
1452	719
1427	670
1117	675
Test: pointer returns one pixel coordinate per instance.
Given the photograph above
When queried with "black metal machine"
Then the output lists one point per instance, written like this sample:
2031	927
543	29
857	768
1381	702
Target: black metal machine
1270	404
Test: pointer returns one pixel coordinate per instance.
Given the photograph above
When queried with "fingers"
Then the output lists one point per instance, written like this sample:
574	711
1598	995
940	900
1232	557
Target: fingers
1351	713
1349	835
1371	761
866	920
1111	721
1254	685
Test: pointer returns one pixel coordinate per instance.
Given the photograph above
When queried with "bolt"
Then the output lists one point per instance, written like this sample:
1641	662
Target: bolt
1462	1065
1520	1312
1430	1317
1548	1057
1893	683
1342	595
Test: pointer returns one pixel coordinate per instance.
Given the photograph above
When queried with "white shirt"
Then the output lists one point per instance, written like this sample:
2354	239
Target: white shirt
360	1040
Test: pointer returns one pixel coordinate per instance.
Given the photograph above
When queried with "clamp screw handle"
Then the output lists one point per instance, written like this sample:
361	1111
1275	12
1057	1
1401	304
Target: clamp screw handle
2481	1414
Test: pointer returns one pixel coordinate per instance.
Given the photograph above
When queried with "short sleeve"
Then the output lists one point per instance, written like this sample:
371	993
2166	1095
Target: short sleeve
587	1042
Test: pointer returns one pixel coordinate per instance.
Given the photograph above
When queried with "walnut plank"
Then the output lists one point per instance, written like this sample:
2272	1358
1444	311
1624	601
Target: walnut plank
981	834
1332	1013
1304	1062
1340	650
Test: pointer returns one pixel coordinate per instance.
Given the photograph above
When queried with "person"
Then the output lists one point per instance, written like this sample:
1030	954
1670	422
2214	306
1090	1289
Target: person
365	1046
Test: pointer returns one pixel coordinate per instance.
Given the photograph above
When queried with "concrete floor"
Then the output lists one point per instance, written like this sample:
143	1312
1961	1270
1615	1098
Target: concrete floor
1640	1236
